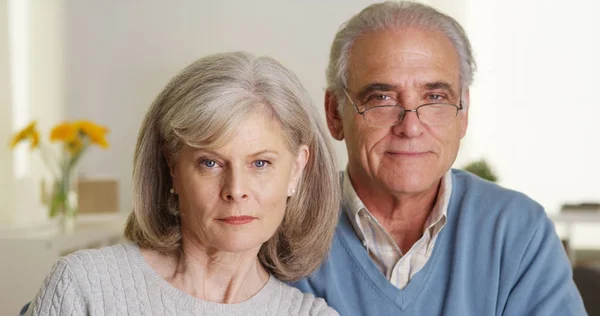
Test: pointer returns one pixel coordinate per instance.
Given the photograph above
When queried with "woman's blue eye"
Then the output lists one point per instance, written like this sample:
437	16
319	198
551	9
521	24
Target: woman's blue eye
209	163
260	163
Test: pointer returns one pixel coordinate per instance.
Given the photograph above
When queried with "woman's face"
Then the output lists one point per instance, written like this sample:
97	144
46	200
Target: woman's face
233	198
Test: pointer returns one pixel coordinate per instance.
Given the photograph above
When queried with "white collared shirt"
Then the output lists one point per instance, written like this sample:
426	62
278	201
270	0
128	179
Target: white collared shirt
397	267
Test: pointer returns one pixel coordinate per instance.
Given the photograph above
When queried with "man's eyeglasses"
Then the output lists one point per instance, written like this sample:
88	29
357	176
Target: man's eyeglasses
386	113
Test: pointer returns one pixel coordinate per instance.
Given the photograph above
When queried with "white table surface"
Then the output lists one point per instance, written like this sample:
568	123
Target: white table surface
27	252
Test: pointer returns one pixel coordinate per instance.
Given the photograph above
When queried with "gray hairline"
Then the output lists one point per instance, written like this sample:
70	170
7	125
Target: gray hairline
249	100
414	15
264	108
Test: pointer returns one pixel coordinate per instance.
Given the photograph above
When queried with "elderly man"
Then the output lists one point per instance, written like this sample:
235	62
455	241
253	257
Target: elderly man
415	237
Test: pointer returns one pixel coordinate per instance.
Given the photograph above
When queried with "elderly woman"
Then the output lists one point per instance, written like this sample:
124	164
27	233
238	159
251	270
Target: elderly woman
234	189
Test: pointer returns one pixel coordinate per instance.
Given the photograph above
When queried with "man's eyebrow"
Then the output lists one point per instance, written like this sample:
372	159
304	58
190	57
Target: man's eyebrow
377	86
440	85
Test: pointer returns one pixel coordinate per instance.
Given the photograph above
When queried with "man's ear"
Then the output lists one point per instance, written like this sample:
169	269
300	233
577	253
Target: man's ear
334	118
464	117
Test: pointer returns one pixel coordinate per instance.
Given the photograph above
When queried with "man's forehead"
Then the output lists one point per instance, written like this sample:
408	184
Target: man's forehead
389	55
405	55
399	59
414	72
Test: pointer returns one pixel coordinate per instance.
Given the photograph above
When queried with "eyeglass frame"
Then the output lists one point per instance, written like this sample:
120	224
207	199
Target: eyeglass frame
458	107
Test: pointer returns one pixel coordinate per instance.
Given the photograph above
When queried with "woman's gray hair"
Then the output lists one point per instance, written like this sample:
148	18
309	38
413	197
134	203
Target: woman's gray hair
201	107
389	15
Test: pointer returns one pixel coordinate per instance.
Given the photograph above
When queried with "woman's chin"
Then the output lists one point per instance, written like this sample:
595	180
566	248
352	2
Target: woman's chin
235	245
239	242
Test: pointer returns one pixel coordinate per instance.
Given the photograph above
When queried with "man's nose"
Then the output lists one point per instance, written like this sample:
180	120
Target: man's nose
410	125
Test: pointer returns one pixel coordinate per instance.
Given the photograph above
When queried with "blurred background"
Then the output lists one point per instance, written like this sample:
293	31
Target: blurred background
533	115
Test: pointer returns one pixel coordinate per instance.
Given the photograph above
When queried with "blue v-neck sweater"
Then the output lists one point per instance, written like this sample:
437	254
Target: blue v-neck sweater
497	255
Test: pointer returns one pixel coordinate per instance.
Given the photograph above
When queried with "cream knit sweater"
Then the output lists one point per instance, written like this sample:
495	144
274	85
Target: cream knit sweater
117	281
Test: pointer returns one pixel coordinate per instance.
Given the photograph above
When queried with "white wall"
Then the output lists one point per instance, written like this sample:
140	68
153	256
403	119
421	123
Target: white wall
536	63
36	69
6	163
122	53
535	102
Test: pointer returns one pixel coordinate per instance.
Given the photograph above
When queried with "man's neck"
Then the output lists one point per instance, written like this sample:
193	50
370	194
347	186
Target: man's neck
211	275
403	216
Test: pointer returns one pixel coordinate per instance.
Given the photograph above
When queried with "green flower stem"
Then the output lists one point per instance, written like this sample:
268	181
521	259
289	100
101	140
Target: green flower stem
60	200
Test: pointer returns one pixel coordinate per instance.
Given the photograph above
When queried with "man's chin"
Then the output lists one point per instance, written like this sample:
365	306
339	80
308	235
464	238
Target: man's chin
410	183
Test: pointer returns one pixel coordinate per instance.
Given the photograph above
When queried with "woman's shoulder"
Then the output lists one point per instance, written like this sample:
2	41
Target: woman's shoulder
119	263
85	278
299	303
109	257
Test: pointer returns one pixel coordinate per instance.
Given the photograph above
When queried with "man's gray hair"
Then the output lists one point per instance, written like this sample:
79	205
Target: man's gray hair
389	15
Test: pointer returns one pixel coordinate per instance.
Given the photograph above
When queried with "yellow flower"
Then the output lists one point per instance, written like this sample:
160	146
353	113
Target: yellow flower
63	132
74	146
19	137
28	133
35	139
96	133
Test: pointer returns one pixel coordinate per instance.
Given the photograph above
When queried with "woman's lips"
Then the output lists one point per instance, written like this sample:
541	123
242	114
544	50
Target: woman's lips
237	220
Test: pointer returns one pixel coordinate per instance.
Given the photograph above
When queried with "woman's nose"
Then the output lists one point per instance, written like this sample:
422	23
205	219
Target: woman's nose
235	188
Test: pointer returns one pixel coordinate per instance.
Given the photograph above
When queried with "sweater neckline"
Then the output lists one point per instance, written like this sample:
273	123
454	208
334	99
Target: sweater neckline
400	297
183	299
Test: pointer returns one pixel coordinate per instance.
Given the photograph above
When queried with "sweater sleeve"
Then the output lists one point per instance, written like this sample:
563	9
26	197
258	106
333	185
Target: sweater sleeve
320	308
327	311
543	283
59	295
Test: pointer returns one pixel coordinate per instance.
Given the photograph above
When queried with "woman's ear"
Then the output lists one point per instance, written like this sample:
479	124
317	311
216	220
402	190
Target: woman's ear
170	162
297	168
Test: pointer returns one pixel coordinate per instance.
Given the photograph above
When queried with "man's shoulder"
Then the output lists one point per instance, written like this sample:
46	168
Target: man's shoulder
479	198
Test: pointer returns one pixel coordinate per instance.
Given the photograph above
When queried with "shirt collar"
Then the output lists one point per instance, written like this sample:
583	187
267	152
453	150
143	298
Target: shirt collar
439	212
353	205
350	200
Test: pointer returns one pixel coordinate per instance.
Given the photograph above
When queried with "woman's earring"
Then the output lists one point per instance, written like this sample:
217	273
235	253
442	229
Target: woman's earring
292	191
172	190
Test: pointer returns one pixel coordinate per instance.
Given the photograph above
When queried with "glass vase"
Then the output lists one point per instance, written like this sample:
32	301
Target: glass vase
63	202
